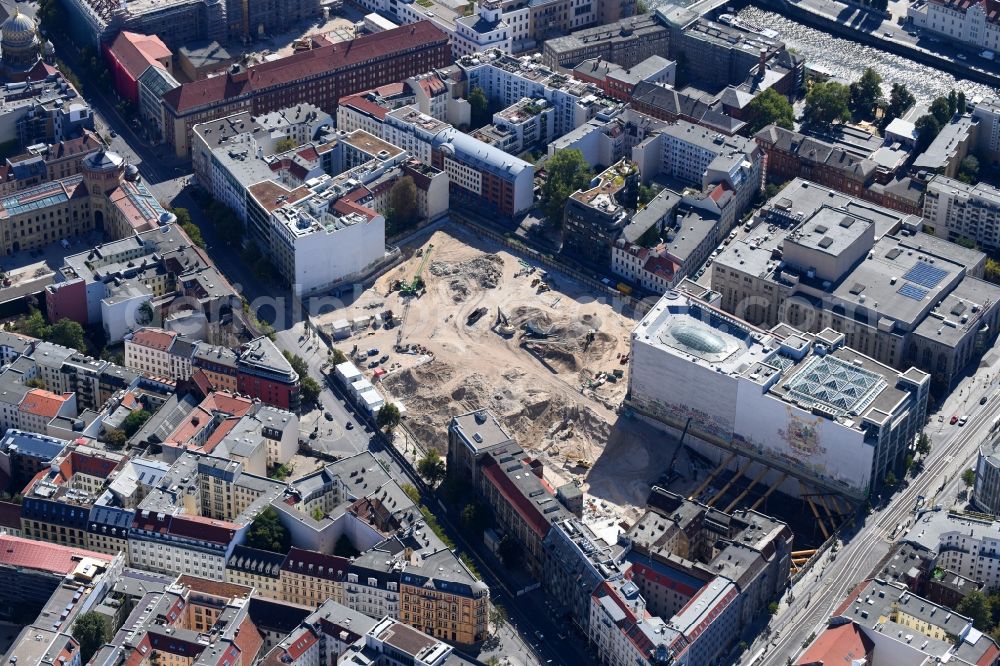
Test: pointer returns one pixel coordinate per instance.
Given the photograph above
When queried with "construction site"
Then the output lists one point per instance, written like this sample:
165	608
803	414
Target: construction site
463	324
466	324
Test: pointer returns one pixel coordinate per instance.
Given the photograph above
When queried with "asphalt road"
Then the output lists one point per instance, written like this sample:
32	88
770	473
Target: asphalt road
819	593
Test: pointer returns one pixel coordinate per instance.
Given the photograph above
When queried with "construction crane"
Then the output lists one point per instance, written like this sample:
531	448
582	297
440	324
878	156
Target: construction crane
415	286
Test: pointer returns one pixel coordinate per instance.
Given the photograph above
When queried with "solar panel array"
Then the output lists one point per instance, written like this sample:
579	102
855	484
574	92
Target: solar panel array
925	275
912	291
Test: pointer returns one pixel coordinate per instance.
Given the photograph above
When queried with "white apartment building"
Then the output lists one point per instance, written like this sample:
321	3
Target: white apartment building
483	30
956	210
973	23
507	80
373	588
965	545
700	157
987	112
148	351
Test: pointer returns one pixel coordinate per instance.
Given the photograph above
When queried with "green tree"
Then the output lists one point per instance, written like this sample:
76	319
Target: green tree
431	468
134	421
769	107
568	172
962	106
992	270
941	111
900	99
411	492
388	417
309	389
285	144
968	170
67	333
227	224
969	478
318	514
509	551
337	357
927	128
647	193
479	108
923	444
475	519
91	632
827	103
976	606
952	102
183	215
772	608
890	479
115	438
403	212
35	382
866	93
297	362
34	325
498	617
144	314
267	533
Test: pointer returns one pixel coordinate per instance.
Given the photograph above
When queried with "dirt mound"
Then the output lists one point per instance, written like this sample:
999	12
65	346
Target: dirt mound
484	270
541	420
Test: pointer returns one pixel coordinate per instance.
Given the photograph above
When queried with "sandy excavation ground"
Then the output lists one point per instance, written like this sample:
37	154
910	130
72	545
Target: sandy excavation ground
549	399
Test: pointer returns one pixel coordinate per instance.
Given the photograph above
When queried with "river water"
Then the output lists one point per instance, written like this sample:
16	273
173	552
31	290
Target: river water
843	58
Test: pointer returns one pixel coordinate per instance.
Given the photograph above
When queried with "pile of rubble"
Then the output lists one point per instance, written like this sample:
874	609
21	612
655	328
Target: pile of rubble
484	270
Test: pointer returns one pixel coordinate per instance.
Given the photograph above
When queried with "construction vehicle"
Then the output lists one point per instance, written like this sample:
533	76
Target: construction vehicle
503	325
415	287
542	288
475	316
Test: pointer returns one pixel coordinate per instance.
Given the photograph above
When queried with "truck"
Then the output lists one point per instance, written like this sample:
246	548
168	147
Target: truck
624	288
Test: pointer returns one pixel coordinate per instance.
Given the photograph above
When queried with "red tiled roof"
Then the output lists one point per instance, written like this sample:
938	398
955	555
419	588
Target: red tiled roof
216	588
201	416
154	338
523	505
297	66
136	52
247	638
42	556
364	105
838	645
205	529
43	403
77	462
305	641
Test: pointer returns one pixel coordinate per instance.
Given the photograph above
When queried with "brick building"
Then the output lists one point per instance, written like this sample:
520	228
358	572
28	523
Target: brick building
321	76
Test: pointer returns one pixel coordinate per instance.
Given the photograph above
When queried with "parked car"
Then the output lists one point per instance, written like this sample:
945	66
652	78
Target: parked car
384	358
373	364
373	351
962	421
982	401
349	425
954	419
328	416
